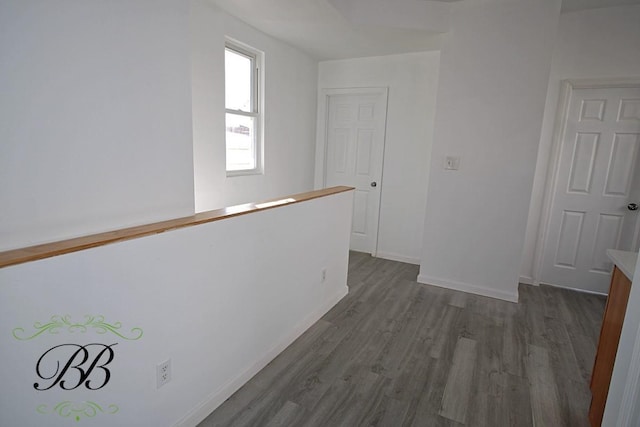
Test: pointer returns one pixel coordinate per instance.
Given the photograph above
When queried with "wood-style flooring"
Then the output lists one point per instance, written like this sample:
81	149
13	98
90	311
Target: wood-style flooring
398	353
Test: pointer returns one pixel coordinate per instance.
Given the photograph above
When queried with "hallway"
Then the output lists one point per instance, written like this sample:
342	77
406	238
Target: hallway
398	353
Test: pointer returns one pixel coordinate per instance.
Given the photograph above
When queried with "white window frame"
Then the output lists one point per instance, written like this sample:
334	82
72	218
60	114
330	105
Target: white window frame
257	107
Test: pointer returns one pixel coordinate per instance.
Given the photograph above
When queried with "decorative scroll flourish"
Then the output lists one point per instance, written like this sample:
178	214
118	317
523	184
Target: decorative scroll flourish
77	410
58	323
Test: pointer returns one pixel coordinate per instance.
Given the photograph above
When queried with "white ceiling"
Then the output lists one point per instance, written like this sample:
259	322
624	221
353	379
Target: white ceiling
321	29
335	29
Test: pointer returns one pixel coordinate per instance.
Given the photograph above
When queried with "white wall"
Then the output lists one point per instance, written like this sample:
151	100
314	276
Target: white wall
96	124
412	82
99	130
493	77
290	113
191	293
596	43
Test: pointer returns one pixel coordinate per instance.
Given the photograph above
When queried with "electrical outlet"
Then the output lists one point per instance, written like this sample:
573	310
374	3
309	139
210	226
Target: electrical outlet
452	163
163	373
323	275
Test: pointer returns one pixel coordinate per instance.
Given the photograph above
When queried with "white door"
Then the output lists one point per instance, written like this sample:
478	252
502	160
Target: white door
596	179
354	152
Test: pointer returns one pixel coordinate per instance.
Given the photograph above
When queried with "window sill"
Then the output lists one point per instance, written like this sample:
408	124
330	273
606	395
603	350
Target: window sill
245	172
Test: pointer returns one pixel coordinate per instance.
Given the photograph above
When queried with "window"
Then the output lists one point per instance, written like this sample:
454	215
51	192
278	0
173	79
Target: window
243	113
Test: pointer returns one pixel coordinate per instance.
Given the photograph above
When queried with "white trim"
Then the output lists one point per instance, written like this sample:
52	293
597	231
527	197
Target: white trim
527	280
472	289
636	237
257	107
552	172
631	391
397	257
566	89
584	291
320	176
604	83
215	399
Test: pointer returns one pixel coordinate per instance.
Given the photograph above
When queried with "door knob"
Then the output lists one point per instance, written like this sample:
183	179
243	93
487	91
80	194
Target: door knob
375	184
632	206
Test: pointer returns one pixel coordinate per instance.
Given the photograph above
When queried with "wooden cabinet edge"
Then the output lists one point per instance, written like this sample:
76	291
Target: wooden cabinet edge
608	341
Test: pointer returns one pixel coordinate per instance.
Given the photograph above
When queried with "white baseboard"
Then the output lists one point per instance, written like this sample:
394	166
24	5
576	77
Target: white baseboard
215	399
472	289
585	291
397	257
528	280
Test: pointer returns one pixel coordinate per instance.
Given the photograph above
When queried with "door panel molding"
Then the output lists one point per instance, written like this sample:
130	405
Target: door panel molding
322	120
560	122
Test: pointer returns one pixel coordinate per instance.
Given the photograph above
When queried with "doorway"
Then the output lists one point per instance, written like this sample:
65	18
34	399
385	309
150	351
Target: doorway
596	180
352	125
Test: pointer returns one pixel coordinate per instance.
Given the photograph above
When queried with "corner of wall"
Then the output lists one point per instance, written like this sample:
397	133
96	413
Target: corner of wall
469	288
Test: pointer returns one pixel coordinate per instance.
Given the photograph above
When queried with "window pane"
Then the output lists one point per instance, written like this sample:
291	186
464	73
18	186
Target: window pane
237	70
240	142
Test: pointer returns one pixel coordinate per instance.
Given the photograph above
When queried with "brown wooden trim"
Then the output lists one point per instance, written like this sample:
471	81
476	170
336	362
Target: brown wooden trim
47	250
610	332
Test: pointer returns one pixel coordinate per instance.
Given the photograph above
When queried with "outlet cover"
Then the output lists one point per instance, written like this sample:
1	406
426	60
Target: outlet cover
163	373
452	163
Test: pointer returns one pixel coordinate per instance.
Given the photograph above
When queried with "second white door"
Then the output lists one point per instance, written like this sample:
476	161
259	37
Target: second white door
355	138
595	181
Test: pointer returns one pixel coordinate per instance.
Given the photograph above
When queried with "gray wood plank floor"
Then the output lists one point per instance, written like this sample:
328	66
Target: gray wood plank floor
398	353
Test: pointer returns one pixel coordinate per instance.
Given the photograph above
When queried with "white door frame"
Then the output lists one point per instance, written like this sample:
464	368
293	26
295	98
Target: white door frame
567	87
320	177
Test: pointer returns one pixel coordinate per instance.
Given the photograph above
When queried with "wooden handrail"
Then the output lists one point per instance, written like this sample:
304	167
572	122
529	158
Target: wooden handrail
47	250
